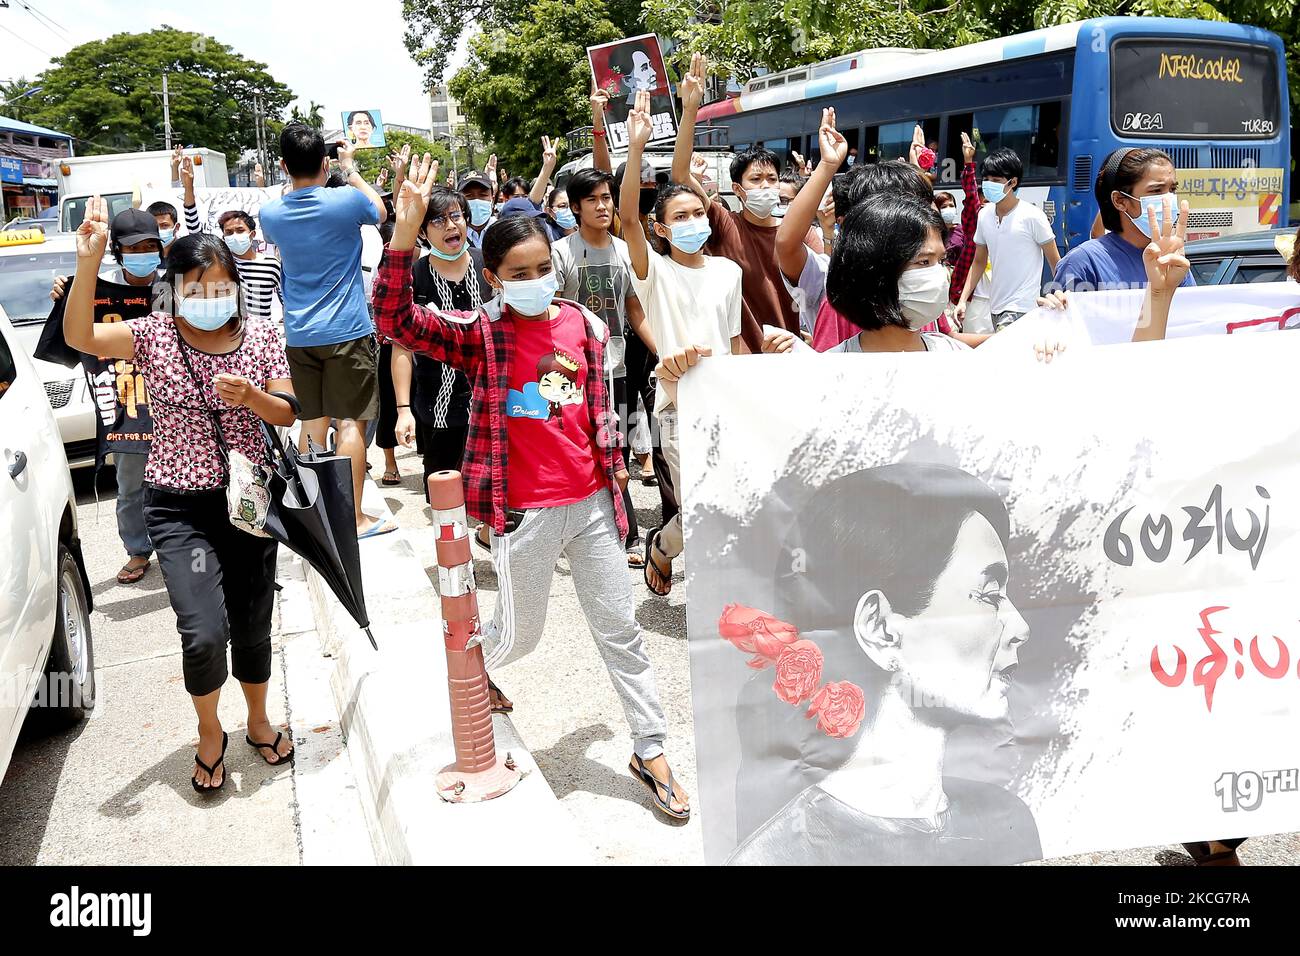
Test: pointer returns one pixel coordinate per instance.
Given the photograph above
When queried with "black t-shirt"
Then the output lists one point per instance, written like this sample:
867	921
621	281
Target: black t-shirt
440	394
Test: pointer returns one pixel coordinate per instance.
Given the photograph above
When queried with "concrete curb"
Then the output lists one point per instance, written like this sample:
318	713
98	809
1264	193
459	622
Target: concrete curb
397	722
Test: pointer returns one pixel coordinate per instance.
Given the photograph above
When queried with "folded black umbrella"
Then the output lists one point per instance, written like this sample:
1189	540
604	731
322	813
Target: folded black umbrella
312	514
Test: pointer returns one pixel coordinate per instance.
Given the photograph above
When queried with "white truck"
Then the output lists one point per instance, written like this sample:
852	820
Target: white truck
122	178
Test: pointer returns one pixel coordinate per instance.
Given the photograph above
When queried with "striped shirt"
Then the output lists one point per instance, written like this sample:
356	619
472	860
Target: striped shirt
261	277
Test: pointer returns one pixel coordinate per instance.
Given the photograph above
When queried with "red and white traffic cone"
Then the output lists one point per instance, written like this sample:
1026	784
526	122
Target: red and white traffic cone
478	773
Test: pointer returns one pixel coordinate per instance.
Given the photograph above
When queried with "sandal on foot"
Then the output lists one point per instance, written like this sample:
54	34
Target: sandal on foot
635	560
274	747
652	783
485	545
391	479
212	771
129	575
650	540
504	709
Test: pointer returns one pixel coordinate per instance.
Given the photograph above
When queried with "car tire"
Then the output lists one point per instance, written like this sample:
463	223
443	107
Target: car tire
67	694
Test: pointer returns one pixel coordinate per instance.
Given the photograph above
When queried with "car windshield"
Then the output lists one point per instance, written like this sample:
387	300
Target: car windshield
25	280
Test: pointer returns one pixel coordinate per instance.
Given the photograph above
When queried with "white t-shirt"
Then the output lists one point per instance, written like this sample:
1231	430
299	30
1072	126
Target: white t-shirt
1015	254
933	342
688	307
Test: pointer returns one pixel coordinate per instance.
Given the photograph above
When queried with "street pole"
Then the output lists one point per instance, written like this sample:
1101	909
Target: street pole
167	116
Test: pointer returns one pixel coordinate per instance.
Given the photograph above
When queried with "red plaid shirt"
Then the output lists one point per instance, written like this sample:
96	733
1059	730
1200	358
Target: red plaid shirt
480	345
970	212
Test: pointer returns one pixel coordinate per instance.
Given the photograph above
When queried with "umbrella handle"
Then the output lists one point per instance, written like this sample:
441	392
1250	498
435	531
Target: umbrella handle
272	436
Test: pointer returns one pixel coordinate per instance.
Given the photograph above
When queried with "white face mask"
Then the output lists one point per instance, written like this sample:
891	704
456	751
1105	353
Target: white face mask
949	214
922	295
762	201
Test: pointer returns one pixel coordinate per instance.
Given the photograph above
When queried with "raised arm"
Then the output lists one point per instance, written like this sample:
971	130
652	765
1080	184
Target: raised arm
397	316
639	129
538	193
189	207
599	140
691	89
970	207
790	249
1166	267
107	339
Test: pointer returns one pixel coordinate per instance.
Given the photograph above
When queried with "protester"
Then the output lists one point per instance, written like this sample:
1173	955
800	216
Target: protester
202	355
961	238
1012	236
561	211
164	213
433	398
137	246
1131	181
592	268
748	238
330	337
690	300
538	466
477	189
791	183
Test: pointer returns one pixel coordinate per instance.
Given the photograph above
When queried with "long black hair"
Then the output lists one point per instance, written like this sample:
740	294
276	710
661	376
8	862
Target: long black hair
202	250
504	234
878	239
1122	171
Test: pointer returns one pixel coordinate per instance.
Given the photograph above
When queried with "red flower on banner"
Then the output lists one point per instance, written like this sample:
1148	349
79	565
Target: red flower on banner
756	632
798	672
839	708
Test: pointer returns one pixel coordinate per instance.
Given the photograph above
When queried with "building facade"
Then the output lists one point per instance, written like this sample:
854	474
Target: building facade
27	157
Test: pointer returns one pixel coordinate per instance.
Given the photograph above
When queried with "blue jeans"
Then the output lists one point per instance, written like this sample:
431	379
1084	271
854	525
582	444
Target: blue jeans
130	505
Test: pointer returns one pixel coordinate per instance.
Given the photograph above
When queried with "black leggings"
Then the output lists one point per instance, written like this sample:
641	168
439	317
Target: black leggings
385	431
641	362
221	582
441	448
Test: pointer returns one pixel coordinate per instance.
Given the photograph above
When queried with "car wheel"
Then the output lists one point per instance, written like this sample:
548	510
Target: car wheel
67	694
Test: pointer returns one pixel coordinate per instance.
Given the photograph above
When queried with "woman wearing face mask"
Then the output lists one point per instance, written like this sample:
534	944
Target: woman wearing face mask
203	360
541	465
557	207
1132	182
433	397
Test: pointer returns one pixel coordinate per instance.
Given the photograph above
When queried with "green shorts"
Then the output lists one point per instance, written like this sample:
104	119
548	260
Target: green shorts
336	381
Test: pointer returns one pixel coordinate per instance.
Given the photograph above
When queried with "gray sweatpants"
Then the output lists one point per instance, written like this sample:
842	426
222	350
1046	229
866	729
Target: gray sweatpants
587	534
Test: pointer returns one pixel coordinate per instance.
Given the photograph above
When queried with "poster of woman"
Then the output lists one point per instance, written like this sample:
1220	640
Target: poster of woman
923	633
364	128
623	69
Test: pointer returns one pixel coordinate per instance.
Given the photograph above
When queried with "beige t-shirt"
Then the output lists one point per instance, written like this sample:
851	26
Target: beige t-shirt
688	307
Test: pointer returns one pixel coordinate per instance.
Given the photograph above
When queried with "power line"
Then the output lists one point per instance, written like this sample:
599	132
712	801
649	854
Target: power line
41	18
28	42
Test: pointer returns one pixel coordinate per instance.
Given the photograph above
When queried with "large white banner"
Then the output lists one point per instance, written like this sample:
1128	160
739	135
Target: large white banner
970	608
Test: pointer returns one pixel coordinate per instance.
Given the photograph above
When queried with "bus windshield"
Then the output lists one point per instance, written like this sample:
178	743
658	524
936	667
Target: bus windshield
1175	87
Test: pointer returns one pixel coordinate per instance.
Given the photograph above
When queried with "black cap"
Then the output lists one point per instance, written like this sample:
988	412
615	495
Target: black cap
133	225
474	178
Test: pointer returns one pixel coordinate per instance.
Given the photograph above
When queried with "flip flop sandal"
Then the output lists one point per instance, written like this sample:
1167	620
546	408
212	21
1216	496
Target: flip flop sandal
648	479
383	527
500	710
132	575
211	771
391	478
635	560
654	785
273	747
650	540
485	546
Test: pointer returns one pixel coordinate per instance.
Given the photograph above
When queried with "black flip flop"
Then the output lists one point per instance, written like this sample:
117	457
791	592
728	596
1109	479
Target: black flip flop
650	539
500	710
654	785
273	747
485	548
212	771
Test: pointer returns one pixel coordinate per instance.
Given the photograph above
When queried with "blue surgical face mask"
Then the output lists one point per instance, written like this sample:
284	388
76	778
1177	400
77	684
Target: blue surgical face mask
208	314
994	192
565	219
141	264
448	256
1158	204
238	242
690	236
167	235
530	296
480	211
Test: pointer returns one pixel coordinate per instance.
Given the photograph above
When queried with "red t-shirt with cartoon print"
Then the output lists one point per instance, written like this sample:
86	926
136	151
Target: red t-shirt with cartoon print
551	437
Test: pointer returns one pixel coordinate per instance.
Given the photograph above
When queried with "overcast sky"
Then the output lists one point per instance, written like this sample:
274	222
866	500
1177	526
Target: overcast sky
345	55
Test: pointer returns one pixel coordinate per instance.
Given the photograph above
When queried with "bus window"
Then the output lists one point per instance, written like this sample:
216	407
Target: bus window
1033	132
895	139
782	149
869	150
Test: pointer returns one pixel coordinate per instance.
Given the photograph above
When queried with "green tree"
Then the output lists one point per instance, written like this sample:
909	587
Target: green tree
533	80
104	93
16	98
371	161
313	117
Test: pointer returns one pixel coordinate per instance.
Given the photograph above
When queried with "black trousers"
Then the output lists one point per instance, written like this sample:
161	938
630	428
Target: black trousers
385	430
221	582
641	362
441	449
624	403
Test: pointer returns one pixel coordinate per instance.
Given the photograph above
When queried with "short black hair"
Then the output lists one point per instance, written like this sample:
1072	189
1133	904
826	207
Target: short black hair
161	208
441	201
1005	163
230	214
514	183
584	183
202	250
878	239
892	178
504	234
1121	171
754	156
792	175
335	179
302	148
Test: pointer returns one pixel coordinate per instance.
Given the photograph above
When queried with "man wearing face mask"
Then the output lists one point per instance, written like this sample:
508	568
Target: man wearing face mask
164	213
1131	181
748	238
1015	236
477	190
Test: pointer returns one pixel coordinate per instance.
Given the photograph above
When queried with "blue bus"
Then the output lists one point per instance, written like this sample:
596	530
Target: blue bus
1212	95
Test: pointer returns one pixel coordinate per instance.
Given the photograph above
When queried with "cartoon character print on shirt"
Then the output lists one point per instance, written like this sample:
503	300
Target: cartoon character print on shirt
559	383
